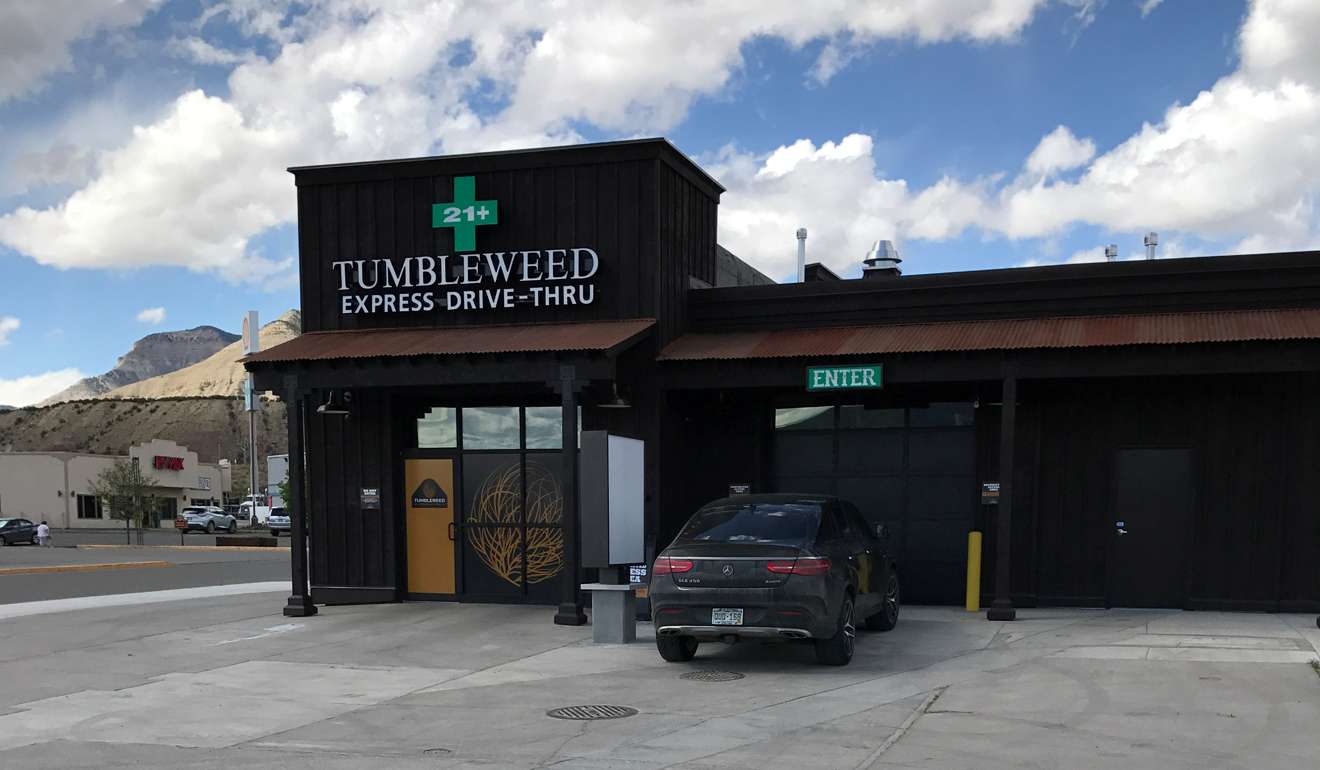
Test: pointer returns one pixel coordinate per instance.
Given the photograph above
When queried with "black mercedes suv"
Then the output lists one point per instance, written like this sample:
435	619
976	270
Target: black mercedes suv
782	566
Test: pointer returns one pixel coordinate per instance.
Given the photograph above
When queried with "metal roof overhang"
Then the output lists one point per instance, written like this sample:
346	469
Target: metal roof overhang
447	355
1156	344
1001	334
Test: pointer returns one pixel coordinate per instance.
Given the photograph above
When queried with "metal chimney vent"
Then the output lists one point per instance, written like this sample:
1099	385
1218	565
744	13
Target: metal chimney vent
1152	240
802	254
881	261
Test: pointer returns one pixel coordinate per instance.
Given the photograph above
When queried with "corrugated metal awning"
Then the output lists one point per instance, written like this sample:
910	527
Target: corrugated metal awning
585	336
1001	334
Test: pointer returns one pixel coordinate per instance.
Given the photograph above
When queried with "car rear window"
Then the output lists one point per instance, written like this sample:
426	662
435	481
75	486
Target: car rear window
775	523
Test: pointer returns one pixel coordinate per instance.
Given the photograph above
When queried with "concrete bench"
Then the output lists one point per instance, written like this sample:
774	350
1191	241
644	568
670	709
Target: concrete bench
613	612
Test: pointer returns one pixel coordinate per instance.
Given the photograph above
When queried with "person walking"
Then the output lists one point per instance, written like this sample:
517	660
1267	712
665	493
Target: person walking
43	534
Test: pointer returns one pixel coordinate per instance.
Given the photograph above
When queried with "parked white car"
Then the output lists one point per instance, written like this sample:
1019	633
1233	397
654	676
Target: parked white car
205	518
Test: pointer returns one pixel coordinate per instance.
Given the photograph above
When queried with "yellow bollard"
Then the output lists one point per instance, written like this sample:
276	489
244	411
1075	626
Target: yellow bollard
973	571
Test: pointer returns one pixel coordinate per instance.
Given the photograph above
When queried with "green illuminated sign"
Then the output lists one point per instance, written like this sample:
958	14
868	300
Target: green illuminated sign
465	213
860	377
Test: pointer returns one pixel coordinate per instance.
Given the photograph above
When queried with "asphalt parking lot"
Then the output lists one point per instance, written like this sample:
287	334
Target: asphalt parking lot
29	573
63	538
231	682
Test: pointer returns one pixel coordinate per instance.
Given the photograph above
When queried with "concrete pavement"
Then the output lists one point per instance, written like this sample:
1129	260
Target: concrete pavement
230	681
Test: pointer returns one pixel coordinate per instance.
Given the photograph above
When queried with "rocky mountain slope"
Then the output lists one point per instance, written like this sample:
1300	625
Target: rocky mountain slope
150	356
219	375
212	427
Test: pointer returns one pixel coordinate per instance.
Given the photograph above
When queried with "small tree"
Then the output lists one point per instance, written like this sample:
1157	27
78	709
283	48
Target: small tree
127	491
283	488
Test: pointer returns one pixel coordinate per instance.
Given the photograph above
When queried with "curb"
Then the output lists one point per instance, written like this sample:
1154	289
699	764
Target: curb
257	548
83	567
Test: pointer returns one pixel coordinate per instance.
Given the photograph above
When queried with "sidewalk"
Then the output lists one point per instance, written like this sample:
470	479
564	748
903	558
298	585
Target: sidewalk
235	683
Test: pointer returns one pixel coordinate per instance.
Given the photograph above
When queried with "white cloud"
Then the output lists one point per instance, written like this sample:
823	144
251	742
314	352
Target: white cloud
152	315
199	51
361	79
1059	150
25	391
1148	6
832	190
59	163
356	79
8	325
35	36
1240	164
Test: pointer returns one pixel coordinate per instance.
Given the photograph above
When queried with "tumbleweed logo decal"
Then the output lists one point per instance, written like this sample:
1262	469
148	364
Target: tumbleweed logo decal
430	494
500	547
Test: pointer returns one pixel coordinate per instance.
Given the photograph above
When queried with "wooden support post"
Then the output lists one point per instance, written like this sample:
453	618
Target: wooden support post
300	601
570	605
1002	607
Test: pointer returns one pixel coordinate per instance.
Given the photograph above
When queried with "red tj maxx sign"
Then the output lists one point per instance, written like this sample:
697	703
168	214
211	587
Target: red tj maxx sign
163	463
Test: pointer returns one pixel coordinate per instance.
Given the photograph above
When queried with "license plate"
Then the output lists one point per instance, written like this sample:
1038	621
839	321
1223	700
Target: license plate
726	617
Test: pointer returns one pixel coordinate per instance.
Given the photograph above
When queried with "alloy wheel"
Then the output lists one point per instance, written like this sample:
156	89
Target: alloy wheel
849	629
891	598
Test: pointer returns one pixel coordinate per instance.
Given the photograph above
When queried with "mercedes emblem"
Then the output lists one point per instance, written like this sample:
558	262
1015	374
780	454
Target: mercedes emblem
727	569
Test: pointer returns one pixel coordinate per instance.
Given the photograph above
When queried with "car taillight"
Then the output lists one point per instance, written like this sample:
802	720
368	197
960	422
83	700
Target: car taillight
666	565
810	566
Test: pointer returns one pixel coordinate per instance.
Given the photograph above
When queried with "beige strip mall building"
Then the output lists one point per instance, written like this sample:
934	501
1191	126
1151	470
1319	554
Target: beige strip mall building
56	486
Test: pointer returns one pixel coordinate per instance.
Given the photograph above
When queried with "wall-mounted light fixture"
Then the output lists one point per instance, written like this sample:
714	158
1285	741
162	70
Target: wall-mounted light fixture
336	403
617	402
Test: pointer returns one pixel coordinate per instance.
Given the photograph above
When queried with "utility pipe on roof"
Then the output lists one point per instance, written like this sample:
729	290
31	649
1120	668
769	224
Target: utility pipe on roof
802	255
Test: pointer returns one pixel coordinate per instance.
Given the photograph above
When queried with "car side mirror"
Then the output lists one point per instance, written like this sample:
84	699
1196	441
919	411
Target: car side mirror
881	531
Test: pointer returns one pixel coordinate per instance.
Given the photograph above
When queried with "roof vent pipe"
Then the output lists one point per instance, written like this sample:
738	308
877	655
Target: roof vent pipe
1111	252
802	254
881	261
1152	240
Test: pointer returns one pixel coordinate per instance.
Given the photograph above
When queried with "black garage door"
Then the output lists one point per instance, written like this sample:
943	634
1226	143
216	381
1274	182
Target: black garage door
912	469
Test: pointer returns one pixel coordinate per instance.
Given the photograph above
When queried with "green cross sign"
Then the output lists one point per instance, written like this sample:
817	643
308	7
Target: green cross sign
465	213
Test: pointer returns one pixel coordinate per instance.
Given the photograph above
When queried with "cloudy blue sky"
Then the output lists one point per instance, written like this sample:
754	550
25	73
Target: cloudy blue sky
142	182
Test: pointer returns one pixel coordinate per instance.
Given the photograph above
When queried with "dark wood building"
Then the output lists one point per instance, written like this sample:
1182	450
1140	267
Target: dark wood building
1149	425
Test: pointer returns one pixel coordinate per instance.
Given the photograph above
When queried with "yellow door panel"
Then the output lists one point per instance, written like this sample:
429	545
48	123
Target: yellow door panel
429	502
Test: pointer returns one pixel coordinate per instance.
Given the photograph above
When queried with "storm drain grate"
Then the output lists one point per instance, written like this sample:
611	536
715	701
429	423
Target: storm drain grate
436	752
712	676
592	712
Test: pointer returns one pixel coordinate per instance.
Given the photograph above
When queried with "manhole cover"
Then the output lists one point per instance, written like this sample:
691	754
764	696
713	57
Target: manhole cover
712	676
591	712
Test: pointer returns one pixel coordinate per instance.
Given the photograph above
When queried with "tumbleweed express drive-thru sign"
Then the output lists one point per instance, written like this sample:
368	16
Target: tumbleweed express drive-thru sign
467	279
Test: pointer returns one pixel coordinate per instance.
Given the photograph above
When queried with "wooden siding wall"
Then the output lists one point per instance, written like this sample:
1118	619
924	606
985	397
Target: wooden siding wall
350	546
1255	540
650	224
686	247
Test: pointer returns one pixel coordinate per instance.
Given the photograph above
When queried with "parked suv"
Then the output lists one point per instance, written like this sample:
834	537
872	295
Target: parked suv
205	518
278	521
774	567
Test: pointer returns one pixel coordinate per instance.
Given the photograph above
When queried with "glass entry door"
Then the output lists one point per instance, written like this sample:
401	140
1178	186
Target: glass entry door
429	500
506	497
512	533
